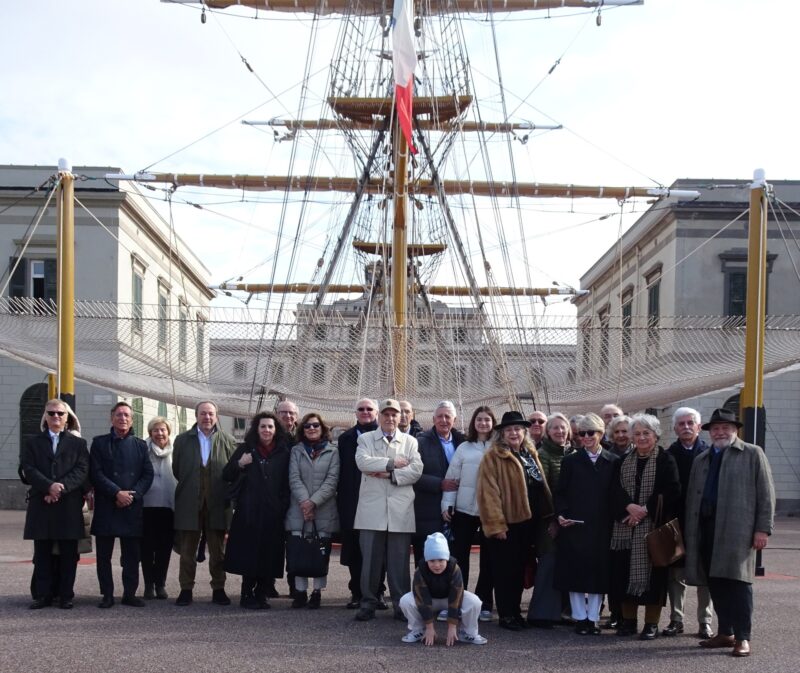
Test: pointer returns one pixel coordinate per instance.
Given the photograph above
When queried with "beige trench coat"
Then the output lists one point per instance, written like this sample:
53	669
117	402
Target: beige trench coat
387	504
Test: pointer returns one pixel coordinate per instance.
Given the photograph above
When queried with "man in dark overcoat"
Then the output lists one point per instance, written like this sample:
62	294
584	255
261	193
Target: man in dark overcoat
436	448
688	445
121	473
56	465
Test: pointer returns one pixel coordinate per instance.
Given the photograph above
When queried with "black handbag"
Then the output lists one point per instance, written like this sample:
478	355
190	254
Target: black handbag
307	554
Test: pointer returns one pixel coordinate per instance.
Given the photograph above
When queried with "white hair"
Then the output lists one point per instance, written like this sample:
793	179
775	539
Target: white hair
446	404
647	421
685	411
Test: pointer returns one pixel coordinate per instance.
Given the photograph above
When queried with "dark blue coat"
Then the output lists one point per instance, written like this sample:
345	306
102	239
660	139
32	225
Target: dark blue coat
428	490
118	464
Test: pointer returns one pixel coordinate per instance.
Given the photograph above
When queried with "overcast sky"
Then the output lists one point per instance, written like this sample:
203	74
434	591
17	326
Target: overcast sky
670	89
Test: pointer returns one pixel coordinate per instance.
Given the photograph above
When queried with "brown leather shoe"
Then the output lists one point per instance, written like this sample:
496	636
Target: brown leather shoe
718	641
741	648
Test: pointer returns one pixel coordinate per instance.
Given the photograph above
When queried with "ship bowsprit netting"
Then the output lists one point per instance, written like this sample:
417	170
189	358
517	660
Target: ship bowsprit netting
246	359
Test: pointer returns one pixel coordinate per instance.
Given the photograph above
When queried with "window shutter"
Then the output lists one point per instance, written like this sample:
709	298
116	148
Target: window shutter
16	288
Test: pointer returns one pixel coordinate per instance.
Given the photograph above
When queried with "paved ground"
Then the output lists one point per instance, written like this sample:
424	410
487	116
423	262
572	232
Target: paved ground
205	637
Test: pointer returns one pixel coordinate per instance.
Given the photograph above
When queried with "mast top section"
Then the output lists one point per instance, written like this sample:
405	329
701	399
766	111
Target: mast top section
378	7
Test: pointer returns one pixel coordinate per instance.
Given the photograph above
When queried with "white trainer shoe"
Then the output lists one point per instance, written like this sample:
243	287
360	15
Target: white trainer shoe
413	636
485	616
477	639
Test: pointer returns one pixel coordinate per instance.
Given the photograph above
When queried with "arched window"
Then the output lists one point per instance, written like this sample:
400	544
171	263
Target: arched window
31	408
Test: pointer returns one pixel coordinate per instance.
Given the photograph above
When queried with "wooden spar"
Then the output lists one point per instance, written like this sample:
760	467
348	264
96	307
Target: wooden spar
65	252
316	183
416	249
449	290
380	7
422	124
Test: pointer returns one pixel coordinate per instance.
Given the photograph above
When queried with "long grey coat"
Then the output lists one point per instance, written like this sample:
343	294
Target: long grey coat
186	466
745	505
316	481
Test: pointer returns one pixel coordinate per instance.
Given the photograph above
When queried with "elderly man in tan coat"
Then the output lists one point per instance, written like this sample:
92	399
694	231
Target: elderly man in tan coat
390	465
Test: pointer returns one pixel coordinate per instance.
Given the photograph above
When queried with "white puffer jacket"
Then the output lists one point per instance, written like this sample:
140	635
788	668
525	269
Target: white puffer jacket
464	467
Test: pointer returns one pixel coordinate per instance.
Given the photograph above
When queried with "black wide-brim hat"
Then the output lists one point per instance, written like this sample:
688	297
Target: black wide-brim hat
721	416
512	418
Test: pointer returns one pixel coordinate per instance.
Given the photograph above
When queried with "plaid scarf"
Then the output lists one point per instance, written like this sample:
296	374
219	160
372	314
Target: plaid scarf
632	537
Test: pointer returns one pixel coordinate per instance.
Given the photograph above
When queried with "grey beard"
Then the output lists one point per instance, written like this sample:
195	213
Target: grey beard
722	444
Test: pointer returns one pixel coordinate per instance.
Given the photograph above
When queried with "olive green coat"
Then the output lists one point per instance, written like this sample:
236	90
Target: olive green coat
187	465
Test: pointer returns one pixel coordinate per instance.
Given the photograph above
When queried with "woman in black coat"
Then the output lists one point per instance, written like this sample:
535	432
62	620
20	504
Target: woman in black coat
648	474
259	474
583	509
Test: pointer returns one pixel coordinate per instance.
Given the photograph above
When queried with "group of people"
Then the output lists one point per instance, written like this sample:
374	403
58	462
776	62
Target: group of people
561	504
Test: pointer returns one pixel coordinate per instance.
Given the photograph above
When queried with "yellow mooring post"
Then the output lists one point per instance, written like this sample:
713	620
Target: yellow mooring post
753	414
65	253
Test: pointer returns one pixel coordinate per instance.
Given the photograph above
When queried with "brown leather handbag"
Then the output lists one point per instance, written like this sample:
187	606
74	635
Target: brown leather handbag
665	543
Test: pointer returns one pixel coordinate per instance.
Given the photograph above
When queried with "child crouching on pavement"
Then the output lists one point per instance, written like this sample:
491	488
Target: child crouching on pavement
438	585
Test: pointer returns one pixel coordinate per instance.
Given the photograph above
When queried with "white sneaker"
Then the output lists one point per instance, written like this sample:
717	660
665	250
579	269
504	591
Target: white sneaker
442	616
413	636
485	616
477	639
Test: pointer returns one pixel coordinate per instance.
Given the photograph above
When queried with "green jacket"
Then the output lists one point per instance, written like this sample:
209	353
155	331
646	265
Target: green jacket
187	466
550	455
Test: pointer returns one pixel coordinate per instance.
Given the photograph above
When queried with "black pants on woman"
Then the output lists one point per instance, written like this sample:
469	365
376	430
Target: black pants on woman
507	559
157	540
463	527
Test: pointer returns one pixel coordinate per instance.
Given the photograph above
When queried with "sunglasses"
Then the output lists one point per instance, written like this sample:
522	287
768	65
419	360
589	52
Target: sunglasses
538	421
55	413
587	433
310	426
365	409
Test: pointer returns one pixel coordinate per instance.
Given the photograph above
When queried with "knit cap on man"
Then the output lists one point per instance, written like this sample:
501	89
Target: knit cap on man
436	547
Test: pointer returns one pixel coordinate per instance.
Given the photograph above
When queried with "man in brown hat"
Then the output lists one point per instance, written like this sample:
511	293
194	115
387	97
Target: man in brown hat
390	465
730	507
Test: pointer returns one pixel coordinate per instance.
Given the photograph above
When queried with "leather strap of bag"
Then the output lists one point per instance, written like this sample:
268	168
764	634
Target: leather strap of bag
658	519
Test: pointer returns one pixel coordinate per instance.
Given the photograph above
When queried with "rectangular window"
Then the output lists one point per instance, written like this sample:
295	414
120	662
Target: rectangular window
627	322
277	372
33	278
137	405
317	372
604	340
320	332
460	335
586	346
162	409
424	335
183	333
736	293
354	333
424	376
239	424
201	344
137	300
239	370
653	309
163	315
182	425
352	374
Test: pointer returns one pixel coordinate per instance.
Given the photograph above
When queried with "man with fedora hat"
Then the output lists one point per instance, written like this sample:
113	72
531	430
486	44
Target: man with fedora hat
730	507
390	466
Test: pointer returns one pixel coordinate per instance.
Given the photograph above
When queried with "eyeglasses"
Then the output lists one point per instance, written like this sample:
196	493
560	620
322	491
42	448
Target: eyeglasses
587	433
365	409
538	421
55	413
310	426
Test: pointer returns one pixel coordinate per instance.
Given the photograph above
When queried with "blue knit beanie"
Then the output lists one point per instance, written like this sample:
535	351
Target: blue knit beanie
436	548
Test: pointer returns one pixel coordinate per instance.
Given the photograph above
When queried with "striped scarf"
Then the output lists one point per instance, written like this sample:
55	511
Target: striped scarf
632	537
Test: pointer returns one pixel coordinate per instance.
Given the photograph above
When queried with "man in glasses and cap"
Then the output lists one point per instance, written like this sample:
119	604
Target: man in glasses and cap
730	508
390	466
